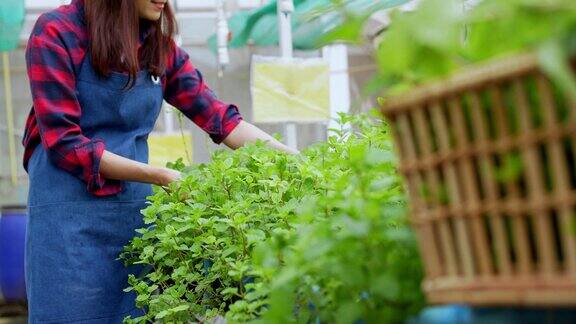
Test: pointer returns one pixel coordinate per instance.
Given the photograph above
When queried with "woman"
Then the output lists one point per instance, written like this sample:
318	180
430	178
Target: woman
99	70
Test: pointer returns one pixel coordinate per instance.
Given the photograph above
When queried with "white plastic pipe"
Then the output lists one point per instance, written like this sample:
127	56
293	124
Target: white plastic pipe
10	118
167	110
337	57
168	119
285	10
222	32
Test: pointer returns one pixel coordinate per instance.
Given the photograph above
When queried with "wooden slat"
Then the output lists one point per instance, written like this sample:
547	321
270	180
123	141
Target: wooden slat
490	186
536	187
572	138
510	206
433	180
479	128
572	121
529	295
561	177
465	170
427	240
521	246
454	189
498	146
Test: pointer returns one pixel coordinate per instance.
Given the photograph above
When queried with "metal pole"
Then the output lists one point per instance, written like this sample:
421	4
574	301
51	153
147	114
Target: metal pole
285	10
10	118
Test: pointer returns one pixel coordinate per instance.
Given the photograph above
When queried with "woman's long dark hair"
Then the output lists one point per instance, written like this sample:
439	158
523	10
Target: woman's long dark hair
114	31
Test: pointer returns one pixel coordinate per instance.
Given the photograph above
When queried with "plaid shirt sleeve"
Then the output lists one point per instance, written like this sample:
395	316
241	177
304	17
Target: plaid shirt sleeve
57	110
186	90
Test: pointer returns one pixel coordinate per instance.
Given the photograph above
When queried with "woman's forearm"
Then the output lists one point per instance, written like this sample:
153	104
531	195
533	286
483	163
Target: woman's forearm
113	166
248	133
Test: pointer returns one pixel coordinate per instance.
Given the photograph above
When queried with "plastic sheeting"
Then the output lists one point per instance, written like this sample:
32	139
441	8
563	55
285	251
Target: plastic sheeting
311	21
11	21
290	90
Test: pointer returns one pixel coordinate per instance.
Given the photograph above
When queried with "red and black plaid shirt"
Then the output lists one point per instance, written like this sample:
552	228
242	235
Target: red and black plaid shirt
55	52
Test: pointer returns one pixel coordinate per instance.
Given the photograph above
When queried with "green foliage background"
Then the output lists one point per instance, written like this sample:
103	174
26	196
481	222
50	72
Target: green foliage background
441	38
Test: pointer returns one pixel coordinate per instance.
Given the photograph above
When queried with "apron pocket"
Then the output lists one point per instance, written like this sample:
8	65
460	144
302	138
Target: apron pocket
72	270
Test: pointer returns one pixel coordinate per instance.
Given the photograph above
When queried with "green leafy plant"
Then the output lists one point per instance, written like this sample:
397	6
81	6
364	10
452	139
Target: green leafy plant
440	38
352	256
258	235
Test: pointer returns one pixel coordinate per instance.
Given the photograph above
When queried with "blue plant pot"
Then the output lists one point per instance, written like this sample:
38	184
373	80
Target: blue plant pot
449	314
524	315
12	246
462	314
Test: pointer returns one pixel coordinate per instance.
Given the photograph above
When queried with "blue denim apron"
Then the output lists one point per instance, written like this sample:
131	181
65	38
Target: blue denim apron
75	238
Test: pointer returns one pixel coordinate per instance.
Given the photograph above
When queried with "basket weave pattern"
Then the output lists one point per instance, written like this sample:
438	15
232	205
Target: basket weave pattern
489	159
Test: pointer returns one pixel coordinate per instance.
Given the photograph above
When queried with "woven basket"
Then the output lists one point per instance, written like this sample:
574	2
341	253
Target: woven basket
489	162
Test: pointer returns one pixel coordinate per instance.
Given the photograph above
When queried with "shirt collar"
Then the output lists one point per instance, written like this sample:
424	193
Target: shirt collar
79	5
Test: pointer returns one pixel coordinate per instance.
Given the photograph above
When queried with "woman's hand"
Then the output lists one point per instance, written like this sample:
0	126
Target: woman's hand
166	176
247	133
113	166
